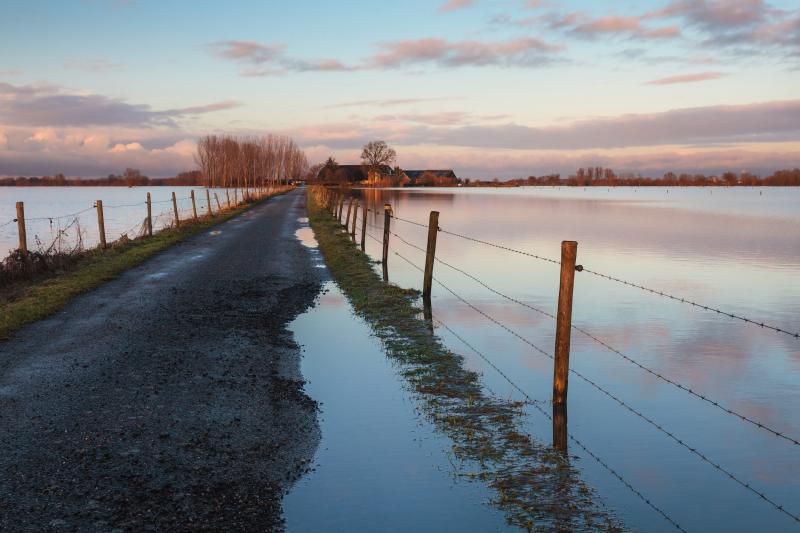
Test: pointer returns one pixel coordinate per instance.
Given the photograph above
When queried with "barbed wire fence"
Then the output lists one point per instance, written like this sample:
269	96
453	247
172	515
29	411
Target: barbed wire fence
681	442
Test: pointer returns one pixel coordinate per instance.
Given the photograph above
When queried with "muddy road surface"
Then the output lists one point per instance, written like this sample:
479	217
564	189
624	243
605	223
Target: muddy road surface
170	398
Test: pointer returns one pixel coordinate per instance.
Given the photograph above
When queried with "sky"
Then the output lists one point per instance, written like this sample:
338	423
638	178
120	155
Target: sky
490	88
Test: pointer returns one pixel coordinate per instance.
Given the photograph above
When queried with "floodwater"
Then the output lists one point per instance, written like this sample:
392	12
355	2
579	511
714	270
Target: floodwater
380	466
69	213
734	249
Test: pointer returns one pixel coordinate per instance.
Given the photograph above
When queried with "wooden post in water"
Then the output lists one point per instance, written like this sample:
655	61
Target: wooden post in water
355	217
387	220
23	235
175	209
236	197
430	256
208	203
228	195
194	206
341	209
101	224
560	428
149	216
219	207
349	211
569	252
364	228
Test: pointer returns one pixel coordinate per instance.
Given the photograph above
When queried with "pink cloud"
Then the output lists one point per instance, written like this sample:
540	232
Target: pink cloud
516	52
687	78
618	25
453	5
248	51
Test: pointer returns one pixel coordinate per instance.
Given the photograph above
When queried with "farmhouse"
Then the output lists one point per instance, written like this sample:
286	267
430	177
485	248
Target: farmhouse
431	178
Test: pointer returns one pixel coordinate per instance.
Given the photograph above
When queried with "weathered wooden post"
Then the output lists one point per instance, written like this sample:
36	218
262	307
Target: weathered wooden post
175	209
219	207
149	216
23	235
101	225
355	216
349	211
569	252
208	203
236	197
341	209
228	195
387	220
364	228
194	206
430	256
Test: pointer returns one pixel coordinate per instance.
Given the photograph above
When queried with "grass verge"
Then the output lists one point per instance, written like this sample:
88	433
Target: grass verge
537	488
24	303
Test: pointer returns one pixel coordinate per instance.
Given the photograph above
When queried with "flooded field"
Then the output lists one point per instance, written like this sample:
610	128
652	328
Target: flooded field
69	212
657	455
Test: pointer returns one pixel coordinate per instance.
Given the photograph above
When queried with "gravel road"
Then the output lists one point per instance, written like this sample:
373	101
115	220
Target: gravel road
170	398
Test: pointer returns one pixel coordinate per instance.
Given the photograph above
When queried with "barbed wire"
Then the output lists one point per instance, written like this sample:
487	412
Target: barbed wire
617	280
59	217
574	439
614	350
623	404
7	223
692	303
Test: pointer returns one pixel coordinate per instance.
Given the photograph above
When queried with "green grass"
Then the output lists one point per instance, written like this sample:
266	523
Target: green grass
25	303
536	486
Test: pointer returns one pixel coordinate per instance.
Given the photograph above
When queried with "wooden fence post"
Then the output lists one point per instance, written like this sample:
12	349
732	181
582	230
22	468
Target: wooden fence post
349	211
430	256
208	203
355	216
149	216
236	197
228	195
101	225
341	209
23	235
194	206
364	228
387	220
175	209
569	252
219	207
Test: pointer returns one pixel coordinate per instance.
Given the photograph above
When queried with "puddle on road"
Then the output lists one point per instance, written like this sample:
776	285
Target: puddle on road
380	464
306	237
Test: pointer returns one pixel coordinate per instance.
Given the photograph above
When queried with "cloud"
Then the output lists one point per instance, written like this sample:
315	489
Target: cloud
248	51
740	26
271	59
687	78
522	52
626	26
777	121
453	5
48	106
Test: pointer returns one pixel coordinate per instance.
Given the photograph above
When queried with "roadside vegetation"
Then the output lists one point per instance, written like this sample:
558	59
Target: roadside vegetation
536	486
35	285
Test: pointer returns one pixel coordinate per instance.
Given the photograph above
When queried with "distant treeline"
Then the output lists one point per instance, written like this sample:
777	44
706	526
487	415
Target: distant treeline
130	178
606	177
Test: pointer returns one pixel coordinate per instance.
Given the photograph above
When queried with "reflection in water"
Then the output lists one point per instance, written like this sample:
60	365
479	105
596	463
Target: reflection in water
536	485
736	249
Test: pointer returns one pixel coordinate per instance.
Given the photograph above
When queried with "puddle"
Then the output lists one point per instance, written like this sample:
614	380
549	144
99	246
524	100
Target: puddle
215	232
306	237
380	464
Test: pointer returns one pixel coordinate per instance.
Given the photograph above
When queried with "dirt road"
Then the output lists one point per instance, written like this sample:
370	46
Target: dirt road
169	398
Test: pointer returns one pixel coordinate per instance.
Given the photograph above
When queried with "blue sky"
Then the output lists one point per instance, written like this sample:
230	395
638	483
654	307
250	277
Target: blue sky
488	87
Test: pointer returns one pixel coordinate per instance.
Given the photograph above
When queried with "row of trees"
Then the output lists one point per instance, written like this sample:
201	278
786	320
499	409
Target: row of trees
132	177
606	177
231	161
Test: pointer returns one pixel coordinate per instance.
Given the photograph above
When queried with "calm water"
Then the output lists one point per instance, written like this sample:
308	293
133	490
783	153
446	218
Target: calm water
69	212
736	249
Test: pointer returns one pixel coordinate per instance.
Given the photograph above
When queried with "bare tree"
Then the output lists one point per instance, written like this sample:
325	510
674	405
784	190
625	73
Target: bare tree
374	155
